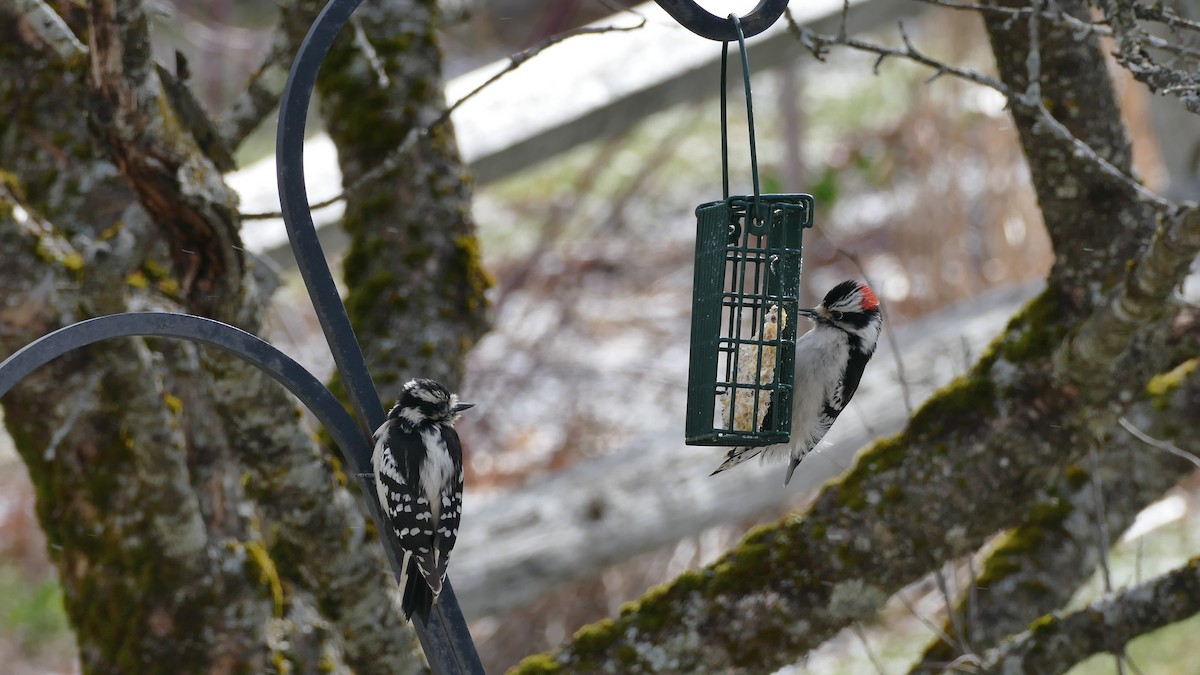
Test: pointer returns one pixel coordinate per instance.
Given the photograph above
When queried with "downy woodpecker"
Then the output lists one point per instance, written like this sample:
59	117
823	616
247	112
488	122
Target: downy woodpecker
419	480
830	360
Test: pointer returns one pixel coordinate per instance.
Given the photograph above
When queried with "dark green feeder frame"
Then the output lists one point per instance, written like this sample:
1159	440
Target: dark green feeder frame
747	277
745	266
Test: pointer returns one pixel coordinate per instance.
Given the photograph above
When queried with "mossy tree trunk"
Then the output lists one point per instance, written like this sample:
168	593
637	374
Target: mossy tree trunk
195	524
1005	446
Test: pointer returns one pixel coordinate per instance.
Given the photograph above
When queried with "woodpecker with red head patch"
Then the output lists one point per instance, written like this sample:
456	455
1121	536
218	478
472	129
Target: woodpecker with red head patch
418	464
830	360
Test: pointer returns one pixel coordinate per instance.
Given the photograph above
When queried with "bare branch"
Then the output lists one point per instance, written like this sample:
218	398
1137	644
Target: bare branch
1033	60
862	637
1131	53
960	634
1103	543
51	28
1090	354
1157	12
887	330
1030	100
396	157
1056	642
262	93
1161	445
819	44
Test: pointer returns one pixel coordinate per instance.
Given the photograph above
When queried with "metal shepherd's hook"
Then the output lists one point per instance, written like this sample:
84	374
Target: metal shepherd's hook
705	24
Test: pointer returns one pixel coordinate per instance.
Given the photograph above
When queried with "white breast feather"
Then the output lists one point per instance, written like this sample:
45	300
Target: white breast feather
818	369
437	469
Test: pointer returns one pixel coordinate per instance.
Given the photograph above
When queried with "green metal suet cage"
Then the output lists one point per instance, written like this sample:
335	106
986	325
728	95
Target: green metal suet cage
745	299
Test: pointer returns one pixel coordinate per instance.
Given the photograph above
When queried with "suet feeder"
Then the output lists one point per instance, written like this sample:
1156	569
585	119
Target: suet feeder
744	304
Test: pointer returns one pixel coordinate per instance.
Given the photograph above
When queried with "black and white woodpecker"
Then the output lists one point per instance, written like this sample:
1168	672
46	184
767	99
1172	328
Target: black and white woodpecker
418	465
830	360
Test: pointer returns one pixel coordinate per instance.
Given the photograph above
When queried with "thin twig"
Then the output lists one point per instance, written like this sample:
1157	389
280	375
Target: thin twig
1101	522
1132	666
368	51
1033	60
1103	539
1156	443
933	628
1156	12
819	44
972	612
867	646
396	157
888	332
960	636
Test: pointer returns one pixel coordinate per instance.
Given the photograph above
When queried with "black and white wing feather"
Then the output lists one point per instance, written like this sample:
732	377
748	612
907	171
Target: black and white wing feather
396	477
835	403
742	453
842	393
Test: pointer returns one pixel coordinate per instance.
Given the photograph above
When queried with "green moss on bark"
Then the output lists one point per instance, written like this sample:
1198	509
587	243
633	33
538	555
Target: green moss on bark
963	402
1161	386
1036	330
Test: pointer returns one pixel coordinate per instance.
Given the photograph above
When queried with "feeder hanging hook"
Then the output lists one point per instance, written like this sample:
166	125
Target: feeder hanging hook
705	24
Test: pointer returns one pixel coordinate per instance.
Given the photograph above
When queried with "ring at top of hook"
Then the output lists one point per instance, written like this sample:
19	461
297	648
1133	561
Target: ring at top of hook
705	24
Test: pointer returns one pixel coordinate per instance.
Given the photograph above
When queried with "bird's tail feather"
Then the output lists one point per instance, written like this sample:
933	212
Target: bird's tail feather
737	456
418	597
791	469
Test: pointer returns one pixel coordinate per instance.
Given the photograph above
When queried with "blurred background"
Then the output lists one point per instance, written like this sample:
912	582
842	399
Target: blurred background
920	188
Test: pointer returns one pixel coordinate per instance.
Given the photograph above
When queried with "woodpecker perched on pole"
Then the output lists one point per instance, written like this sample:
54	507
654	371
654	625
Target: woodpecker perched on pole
418	466
830	360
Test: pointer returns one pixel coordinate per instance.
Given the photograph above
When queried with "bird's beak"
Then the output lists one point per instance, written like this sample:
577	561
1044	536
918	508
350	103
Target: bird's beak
463	406
810	313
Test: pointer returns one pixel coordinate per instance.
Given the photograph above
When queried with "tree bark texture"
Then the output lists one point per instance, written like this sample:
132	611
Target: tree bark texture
1039	565
1055	643
1001	447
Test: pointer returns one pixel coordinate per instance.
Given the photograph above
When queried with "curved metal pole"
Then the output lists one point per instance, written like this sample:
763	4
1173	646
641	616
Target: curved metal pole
445	639
311	392
289	169
444	649
705	24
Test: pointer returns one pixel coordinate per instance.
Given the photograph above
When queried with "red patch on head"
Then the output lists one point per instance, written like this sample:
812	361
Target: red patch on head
869	301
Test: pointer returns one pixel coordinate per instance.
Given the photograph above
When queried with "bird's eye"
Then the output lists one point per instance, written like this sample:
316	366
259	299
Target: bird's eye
837	316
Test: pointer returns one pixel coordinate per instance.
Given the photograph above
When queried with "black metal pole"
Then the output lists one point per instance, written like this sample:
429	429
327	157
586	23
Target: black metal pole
293	196
311	392
445	638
